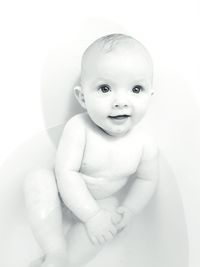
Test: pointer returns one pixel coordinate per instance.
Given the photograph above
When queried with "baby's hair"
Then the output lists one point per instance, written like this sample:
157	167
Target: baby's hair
111	41
108	43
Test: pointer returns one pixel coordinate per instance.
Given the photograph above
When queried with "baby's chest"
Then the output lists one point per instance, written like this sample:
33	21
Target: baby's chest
115	159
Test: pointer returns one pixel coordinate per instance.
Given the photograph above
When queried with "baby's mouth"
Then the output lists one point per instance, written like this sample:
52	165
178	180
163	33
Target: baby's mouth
119	117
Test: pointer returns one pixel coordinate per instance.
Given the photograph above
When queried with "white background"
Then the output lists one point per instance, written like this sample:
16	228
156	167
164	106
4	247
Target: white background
30	30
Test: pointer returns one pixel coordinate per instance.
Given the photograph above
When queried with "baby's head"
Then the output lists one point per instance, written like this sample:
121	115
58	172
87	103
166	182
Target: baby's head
115	83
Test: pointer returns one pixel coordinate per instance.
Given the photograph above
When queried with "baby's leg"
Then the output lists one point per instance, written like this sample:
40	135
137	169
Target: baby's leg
44	210
81	249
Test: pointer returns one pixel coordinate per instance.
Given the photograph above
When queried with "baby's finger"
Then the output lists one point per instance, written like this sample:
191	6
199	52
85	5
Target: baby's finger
113	231
94	240
120	227
122	224
108	236
121	210
116	218
101	240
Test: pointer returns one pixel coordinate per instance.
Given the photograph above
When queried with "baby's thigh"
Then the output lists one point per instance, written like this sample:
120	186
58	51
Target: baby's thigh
40	188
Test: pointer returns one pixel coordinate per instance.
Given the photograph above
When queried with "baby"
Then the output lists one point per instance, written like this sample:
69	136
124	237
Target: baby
74	211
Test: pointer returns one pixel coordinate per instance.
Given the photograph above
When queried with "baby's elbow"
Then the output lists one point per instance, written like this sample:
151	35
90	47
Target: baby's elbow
60	178
60	170
64	176
57	171
60	174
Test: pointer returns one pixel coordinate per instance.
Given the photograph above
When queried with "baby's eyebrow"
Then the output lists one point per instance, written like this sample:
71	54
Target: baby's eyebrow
101	79
141	81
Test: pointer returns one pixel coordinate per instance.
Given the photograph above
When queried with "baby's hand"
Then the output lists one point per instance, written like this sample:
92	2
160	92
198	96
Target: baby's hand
126	217
102	227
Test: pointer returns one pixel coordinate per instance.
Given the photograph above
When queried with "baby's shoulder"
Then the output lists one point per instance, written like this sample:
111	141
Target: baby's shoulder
75	127
149	144
77	122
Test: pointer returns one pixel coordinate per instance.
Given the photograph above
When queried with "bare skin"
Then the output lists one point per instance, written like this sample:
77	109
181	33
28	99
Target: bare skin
125	161
98	153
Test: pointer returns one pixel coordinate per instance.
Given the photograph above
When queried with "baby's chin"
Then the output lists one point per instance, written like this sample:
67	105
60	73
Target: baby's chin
116	132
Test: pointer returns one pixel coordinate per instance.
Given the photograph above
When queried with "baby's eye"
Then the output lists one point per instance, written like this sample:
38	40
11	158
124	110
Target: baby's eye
137	89
104	88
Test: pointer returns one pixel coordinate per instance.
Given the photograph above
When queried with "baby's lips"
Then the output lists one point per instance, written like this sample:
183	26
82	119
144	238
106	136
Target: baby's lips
119	116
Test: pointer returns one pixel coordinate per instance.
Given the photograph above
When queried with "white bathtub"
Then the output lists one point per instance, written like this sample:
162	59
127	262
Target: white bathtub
158	236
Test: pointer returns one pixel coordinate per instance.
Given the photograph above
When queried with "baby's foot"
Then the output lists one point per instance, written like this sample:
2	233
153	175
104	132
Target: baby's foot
52	260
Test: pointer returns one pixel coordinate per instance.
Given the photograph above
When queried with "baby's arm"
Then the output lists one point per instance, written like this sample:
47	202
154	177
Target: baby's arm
72	187
144	186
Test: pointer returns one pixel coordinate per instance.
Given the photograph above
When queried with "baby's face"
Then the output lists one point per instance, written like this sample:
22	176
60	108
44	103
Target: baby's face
117	87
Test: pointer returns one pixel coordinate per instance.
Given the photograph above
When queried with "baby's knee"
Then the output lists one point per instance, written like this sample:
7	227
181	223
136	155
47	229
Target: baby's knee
40	180
40	190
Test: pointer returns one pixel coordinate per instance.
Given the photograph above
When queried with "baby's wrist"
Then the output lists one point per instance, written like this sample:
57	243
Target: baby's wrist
128	209
132	211
93	215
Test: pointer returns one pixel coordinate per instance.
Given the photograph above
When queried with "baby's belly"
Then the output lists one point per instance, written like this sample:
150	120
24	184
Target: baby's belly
102	188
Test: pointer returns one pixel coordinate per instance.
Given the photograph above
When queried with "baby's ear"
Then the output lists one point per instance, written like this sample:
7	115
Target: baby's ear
79	95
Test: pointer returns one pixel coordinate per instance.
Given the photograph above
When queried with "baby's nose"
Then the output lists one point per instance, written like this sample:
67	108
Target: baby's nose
120	105
120	102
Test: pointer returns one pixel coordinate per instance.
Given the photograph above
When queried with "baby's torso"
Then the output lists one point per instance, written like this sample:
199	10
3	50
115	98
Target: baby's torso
109	160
